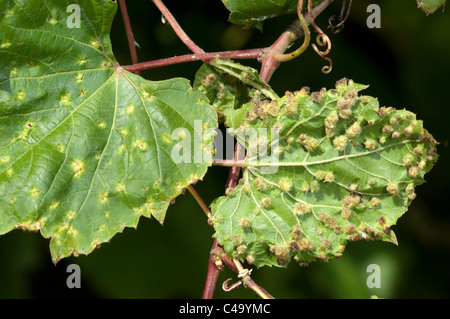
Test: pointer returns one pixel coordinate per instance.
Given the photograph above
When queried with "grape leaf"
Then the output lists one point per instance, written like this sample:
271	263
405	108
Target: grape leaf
252	13
321	169
86	148
229	86
430	6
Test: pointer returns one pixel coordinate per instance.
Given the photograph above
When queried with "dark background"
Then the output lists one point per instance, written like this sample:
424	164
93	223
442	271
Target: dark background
406	63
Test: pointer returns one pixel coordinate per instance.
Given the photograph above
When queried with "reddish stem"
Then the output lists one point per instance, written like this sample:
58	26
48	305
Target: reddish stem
269	61
177	28
213	271
212	275
130	36
240	54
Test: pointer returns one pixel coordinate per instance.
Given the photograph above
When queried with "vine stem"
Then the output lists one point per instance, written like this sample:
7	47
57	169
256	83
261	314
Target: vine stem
248	282
200	202
129	31
177	28
270	61
213	269
282	57
239	54
217	256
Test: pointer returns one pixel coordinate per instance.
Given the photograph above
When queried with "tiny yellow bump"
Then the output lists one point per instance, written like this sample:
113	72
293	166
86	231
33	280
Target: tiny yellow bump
5	159
320	175
285	184
417	150
421	165
9	13
237	240
230	192
340	142
130	109
250	259
354	130
374	202
10	172
245	222
21	95
140	145
52	21
103	197
314	186
413	171
166	138
65	99
34	192
407	160
304	187
146	95
82	60
392	188
54	205
301	208
105	64
79	78
369	144
101	125
96	43
260	184
78	167
120	187
72	231
329	177
266	202
5	44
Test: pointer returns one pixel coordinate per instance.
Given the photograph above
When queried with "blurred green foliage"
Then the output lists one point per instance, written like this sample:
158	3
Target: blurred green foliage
406	63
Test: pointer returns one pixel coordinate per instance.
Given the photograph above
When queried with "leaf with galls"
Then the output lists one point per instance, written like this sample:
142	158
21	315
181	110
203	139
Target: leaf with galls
340	168
86	147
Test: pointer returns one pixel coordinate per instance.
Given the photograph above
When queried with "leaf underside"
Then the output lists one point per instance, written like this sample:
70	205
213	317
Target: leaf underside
86	147
321	169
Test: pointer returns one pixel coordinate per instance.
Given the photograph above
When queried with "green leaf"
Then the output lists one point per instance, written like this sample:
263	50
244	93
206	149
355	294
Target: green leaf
430	6
86	147
321	169
229	86
252	13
